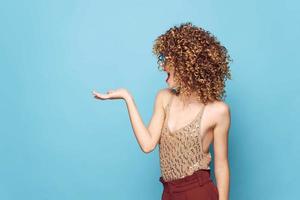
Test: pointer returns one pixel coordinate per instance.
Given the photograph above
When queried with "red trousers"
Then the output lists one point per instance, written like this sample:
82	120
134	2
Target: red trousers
198	186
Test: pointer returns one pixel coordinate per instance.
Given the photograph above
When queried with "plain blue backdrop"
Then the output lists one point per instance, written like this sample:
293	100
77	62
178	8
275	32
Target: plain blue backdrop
59	143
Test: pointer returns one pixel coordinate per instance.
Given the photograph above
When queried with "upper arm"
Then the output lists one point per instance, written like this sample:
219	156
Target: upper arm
221	132
155	125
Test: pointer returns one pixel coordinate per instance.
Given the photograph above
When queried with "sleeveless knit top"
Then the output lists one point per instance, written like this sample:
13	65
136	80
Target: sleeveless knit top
180	151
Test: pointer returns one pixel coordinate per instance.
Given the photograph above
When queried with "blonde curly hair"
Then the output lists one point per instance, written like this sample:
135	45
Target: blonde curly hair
201	63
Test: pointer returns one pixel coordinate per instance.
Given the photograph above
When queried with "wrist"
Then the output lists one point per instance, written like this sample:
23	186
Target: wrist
127	96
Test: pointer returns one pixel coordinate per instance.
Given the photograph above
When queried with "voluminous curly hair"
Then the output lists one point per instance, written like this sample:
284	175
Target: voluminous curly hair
201	63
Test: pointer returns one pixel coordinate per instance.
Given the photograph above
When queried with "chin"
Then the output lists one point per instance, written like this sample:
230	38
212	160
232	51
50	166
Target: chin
170	85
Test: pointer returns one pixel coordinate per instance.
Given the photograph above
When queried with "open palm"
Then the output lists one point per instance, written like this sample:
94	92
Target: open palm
111	94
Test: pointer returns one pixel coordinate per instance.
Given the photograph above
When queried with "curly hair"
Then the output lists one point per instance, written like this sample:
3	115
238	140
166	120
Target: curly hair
201	63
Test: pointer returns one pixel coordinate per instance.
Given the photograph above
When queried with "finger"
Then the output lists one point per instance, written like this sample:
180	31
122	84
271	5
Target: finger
94	92
102	96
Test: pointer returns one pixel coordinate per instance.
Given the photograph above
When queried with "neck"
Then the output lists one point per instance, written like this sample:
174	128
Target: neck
193	98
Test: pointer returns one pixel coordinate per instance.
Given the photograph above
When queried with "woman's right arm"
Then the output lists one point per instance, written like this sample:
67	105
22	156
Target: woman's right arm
147	136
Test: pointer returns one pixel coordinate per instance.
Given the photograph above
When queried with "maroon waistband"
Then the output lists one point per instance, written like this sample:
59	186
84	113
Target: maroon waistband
198	178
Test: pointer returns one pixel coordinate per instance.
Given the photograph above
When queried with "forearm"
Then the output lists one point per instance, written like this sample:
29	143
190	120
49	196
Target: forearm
222	174
140	130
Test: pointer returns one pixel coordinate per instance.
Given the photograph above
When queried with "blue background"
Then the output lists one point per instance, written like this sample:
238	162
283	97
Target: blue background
59	143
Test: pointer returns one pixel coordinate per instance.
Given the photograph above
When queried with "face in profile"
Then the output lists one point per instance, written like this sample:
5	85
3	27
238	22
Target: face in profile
170	75
167	67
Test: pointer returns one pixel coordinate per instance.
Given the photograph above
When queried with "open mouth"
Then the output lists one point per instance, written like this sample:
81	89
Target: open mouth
168	76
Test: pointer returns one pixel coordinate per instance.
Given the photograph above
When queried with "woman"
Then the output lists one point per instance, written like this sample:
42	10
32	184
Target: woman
188	116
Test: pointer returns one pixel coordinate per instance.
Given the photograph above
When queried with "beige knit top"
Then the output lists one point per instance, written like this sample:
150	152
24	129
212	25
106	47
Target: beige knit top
181	151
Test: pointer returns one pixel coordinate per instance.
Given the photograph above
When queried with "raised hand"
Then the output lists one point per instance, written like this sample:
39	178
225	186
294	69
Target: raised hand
120	93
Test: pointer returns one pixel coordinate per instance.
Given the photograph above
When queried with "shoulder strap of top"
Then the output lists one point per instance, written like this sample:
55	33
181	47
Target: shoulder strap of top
168	108
168	105
202	111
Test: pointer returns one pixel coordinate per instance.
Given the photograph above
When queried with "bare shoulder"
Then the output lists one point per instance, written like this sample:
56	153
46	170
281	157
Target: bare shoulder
219	109
163	95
